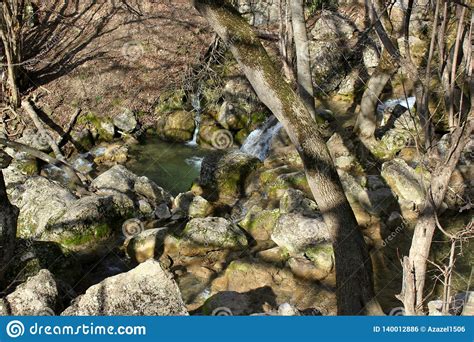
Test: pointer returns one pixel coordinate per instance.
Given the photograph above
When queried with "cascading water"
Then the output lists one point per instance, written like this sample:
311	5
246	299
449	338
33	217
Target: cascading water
257	143
196	103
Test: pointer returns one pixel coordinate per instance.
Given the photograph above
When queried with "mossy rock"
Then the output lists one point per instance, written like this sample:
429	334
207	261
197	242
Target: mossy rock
260	223
224	175
103	127
177	126
322	255
173	100
81	239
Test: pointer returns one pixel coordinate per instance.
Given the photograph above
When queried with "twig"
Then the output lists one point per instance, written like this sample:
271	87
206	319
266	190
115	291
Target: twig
62	139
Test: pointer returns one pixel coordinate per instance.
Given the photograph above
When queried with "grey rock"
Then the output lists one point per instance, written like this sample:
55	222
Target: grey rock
118	178
146	245
294	201
148	189
214	232
403	180
86	221
223	175
162	212
126	121
435	308
297	233
199	207
259	12
145	207
41	202
38	296
147	290
286	309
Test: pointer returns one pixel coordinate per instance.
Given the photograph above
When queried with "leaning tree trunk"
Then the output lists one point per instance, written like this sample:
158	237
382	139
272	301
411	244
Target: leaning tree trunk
367	120
414	266
8	220
355	291
303	67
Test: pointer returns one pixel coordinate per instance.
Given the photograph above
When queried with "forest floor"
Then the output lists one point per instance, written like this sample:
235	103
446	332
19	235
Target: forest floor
110	55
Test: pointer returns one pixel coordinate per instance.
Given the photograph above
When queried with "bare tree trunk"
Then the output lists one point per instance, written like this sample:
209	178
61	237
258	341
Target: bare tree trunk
286	41
355	291
303	63
414	266
10	33
367	120
452	115
8	219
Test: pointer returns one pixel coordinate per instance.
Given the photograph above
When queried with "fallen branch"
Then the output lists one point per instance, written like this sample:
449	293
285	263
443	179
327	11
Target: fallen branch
77	183
26	105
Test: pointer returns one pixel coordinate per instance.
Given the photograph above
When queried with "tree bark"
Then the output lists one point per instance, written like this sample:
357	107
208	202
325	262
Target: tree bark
366	123
303	66
8	220
10	33
355	291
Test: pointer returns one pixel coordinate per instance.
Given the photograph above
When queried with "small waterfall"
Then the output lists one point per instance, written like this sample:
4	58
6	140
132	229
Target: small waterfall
257	143
196	103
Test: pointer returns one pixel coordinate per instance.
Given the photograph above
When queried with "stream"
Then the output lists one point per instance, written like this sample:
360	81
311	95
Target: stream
173	166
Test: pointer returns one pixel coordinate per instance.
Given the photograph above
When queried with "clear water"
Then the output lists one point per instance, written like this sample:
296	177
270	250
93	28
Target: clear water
173	166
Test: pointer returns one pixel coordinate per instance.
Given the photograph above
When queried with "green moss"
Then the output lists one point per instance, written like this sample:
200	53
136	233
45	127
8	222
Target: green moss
260	223
96	233
237	266
171	101
28	167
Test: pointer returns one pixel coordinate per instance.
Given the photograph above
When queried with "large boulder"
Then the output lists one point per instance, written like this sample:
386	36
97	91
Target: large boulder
176	126
118	178
259	223
404	181
223	175
298	233
146	290
126	121
87	221
146	245
38	296
42	201
147	188
211	233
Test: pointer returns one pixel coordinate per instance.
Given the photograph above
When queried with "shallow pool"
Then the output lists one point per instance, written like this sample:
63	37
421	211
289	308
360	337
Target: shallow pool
173	166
